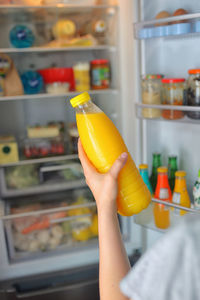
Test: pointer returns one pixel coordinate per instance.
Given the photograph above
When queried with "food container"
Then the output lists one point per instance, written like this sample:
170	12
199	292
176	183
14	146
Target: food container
193	92
181	28
151	94
82	76
8	150
21	36
100	74
34	148
32	82
173	93
60	79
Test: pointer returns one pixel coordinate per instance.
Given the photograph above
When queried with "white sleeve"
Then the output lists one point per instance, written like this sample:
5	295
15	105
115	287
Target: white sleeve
171	269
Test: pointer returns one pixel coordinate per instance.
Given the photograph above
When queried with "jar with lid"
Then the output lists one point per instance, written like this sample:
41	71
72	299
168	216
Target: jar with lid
100	74
193	92
82	76
151	94
173	93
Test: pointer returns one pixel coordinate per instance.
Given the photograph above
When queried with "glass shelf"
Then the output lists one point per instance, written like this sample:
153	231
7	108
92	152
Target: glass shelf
170	113
152	29
46	96
147	220
63	49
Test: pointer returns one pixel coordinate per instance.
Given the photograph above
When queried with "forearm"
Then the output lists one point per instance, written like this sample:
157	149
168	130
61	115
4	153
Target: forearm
114	263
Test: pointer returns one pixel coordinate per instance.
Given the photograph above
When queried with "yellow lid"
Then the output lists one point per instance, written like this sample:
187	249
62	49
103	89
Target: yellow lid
80	99
180	173
162	169
143	166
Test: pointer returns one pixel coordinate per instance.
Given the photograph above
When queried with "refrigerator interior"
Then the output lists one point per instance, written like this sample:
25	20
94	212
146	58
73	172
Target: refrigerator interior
172	57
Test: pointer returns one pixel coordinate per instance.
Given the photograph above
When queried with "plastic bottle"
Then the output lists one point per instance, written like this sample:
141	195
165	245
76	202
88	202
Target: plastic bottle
103	144
172	168
196	192
156	163
180	194
163	192
143	169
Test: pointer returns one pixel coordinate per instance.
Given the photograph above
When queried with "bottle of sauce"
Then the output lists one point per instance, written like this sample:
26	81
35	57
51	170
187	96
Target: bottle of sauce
103	144
163	192
180	194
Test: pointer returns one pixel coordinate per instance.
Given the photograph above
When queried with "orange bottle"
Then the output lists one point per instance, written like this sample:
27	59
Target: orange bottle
162	192
103	144
180	194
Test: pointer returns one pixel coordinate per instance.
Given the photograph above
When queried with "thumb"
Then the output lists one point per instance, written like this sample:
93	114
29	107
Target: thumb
118	165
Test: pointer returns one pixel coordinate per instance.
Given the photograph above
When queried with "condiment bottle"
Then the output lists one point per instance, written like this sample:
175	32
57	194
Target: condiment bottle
180	195
143	169
156	163
103	144
196	192
163	192
172	168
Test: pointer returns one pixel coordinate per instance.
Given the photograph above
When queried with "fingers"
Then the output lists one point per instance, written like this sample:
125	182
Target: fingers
86	164
118	165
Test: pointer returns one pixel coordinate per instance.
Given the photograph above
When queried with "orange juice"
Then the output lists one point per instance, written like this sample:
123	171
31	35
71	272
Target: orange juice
103	144
180	194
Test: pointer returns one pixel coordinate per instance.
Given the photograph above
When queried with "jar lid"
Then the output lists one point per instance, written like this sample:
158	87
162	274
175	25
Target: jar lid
162	169
180	173
99	61
153	76
173	80
143	166
194	71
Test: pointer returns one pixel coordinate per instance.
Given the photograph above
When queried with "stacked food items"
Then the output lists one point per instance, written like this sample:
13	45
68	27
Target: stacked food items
157	90
74	221
170	26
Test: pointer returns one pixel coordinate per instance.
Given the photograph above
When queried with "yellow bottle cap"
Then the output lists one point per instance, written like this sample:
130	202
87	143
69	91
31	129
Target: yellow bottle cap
180	173
143	166
80	99
162	169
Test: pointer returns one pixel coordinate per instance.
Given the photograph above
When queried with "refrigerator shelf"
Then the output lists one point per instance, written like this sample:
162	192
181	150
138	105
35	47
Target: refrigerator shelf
170	113
151	29
146	217
63	49
47	96
55	6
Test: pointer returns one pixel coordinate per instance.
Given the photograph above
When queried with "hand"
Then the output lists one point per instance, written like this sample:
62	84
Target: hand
103	186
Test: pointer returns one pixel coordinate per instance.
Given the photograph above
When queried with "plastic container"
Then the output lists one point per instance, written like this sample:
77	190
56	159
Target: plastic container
193	92
57	88
103	145
21	36
151	94
32	82
196	27
82	76
100	74
180	194
173	93
61	75
163	192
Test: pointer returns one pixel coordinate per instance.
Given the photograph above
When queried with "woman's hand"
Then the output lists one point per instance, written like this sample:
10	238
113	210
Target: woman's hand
103	186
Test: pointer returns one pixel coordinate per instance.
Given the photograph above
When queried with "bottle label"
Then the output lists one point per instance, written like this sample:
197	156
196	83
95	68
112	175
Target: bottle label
100	77
163	194
177	200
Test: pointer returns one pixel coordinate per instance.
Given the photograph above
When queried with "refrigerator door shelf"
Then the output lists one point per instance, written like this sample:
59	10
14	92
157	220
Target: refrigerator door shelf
170	113
175	213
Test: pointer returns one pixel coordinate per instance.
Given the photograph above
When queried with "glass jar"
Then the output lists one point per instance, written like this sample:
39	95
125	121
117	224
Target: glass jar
193	92
151	94
100	74
82	76
173	91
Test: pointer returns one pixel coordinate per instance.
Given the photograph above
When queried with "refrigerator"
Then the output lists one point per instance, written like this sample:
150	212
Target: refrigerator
131	55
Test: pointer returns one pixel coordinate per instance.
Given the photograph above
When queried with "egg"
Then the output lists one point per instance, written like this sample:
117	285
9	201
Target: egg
179	12
162	14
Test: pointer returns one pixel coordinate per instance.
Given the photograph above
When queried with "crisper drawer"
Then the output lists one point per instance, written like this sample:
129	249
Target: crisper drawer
49	224
36	178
